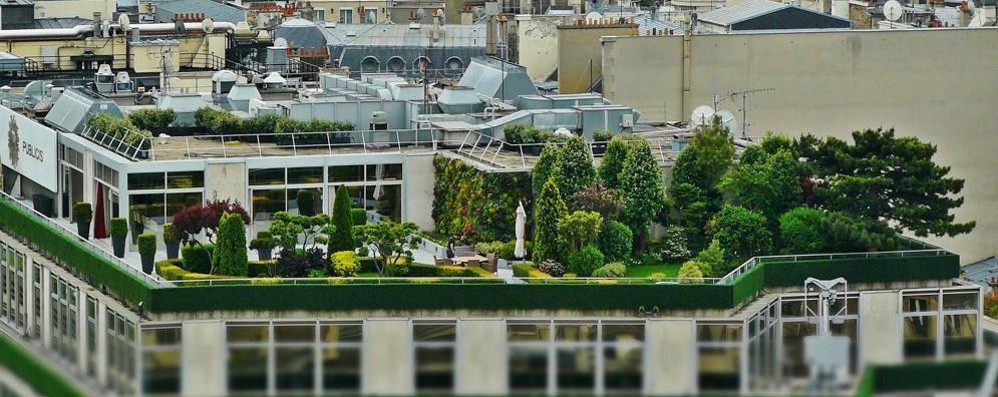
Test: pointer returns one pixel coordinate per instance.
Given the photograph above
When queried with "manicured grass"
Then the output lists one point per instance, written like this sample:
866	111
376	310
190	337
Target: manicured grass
369	274
669	270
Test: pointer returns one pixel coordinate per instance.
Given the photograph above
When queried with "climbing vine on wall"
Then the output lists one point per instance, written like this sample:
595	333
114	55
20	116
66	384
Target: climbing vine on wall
474	205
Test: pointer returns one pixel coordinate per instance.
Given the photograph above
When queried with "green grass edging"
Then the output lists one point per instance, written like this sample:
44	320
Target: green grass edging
858	270
36	374
96	269
952	375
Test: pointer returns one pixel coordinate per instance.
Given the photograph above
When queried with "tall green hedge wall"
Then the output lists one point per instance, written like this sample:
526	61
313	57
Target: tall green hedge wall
474	205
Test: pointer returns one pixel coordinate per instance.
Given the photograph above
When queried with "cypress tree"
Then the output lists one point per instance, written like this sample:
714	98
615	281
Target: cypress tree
575	169
641	188
545	168
613	162
548	243
229	257
341	238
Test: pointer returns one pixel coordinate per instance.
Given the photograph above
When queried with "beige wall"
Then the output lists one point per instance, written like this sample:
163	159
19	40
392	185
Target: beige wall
418	186
203	354
580	53
934	84
537	43
388	361
671	352
332	9
481	366
144	58
74	8
226	180
879	336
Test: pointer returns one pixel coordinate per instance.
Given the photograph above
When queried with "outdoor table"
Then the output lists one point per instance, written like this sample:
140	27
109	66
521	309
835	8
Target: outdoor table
465	260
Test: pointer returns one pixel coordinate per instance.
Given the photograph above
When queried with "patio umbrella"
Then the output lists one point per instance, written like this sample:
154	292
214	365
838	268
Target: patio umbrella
521	226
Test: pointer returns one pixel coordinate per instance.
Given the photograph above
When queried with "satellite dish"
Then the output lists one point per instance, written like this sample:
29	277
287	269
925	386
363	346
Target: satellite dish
124	23
728	120
281	42
592	16
208	25
892	10
701	115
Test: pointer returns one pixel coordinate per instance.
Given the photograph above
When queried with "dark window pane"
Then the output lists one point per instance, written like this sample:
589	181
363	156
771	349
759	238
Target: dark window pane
247	333
143	181
305	175
537	332
161	372
576	369
185	180
575	332
953	301
719	332
386	201
384	172
346	173
340	368
295	369
433	332
920	337
161	337
248	369
623	332
305	201
528	368
341	333
294	333
623	368
176	202
268	176
719	368
435	368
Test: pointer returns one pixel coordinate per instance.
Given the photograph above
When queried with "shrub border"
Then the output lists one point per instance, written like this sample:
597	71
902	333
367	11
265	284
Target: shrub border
43	379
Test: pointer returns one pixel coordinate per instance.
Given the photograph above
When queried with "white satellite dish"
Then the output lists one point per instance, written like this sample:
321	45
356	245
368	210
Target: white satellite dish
208	25
123	22
702	115
281	42
892	10
728	120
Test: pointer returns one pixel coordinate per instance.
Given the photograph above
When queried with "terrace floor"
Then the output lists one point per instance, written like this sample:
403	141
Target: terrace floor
190	147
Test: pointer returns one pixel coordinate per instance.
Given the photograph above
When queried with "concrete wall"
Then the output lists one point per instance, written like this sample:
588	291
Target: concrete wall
580	53
670	353
537	43
387	361
226	180
418	194
203	355
879	334
481	366
74	8
934	84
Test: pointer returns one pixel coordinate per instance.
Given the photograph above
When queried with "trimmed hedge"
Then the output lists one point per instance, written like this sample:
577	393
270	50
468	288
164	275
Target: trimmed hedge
171	270
889	268
528	270
25	366
925	376
64	247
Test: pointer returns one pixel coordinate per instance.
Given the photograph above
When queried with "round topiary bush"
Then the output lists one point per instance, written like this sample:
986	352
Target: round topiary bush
583	262
345	264
611	270
615	240
147	244
119	227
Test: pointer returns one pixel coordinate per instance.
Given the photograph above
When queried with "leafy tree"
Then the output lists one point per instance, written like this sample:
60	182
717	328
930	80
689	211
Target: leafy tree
713	260
195	219
641	188
341	238
689	210
706	159
392	242
674	247
584	261
742	232
548	242
848	233
580	228
615	240
802	231
769	185
887	178
613	162
598	199
575	169
288	230
230	250
690	271
545	168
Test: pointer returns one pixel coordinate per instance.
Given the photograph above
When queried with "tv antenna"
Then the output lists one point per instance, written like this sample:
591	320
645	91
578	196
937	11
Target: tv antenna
745	94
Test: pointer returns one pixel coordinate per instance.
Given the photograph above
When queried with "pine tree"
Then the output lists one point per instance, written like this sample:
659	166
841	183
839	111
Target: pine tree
342	237
229	257
575	169
642	190
548	242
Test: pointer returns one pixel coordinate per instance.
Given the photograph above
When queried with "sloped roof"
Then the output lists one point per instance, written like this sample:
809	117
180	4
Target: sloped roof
750	9
217	11
59	23
980	272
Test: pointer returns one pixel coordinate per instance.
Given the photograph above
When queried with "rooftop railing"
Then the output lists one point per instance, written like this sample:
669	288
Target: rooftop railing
440	280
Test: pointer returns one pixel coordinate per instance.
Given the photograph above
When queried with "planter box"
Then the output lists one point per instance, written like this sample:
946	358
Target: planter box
599	148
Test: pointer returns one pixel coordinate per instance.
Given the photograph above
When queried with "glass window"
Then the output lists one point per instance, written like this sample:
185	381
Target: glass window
295	367
920	303
294	333
161	372
346	15
960	333
160	336
341	368
185	180
247	333
267	176
267	203
576	369
384	172
386	200
622	368
623	332
371	15
433	332
435	368
920	337
305	201
341	333
247	369
305	175
719	332
346	173
528	368
176	202
719	368
533	332
146	181
960	301
147	209
575	332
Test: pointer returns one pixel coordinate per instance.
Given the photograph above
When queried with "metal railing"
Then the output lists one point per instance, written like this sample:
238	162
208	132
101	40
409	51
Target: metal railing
86	243
929	250
132	151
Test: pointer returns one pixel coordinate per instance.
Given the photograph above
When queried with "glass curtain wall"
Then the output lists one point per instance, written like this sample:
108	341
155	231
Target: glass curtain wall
120	339
161	358
154	198
13	311
940	324
295	190
796	323
377	188
433	344
720	347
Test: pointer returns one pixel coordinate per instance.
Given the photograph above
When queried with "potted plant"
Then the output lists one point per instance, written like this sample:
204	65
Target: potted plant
138	218
171	240
82	215
600	140
147	249
119	231
264	245
306	203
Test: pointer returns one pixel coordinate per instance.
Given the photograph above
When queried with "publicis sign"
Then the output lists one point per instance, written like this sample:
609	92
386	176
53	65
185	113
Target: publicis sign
30	148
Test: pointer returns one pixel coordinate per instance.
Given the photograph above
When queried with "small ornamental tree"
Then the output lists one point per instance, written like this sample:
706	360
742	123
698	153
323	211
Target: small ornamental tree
802	231
229	258
545	168
674	247
712	260
575	169
615	241
613	162
342	238
769	185
548	241
690	272
580	229
706	159
193	220
392	242
584	261
598	199
742	233
642	190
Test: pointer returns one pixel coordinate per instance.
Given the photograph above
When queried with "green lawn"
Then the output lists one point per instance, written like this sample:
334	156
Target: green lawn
668	270
369	274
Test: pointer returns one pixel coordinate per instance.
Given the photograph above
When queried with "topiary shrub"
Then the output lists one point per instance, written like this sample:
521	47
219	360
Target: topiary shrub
585	260
197	258
169	234
119	227
230	249
690	270
82	213
342	237
552	268
494	247
615	241
801	231
602	135
611	270
147	244
548	241
359	216
345	264
306	202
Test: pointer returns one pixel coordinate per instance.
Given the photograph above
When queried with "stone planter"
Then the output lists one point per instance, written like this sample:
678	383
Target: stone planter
147	262
119	246
83	229
172	250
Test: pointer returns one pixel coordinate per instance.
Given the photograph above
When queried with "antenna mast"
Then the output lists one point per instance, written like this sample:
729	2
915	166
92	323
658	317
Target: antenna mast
744	94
